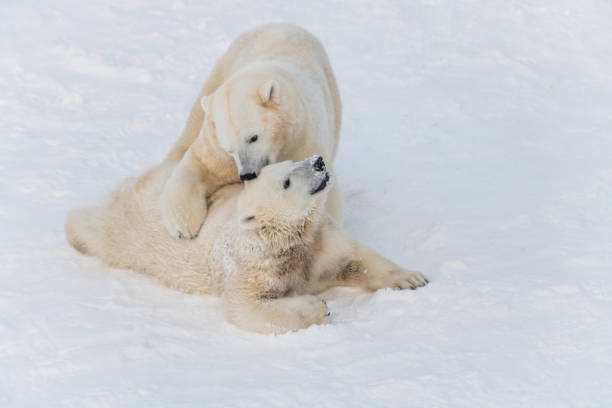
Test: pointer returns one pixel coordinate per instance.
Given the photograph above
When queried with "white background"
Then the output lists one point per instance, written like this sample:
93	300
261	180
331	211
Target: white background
476	147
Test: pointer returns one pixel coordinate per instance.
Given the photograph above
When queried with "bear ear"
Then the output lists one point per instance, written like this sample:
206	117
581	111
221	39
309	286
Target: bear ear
248	222
269	92
203	102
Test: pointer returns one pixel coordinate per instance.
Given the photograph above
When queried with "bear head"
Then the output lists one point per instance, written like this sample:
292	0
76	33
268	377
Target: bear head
285	201
247	118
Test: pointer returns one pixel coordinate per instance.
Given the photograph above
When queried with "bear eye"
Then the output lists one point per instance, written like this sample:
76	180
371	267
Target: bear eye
286	184
253	138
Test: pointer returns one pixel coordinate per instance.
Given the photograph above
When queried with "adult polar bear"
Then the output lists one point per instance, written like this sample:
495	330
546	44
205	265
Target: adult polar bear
267	247
271	97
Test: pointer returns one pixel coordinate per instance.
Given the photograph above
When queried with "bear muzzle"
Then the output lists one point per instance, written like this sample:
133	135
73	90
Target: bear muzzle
249	170
248	176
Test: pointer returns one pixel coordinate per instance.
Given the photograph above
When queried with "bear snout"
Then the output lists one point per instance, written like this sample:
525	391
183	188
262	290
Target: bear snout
319	164
248	176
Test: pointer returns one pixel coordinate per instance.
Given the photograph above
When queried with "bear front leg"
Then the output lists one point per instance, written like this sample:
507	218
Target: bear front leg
183	200
262	314
342	261
372	271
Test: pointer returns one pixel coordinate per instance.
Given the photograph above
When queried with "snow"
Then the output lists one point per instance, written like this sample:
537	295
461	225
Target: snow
476	148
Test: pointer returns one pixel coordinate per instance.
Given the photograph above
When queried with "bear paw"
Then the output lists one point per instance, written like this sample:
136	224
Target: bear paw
183	209
407	280
309	310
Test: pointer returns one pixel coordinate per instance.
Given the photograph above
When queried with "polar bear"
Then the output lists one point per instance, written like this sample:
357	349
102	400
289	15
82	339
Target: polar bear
267	247
271	97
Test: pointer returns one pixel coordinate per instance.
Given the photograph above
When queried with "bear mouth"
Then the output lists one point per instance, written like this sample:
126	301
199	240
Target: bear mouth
322	185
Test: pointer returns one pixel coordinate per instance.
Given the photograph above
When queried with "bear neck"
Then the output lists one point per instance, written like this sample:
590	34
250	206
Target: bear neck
279	237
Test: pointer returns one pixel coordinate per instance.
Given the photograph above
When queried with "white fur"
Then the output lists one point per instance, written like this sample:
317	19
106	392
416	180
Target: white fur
265	249
275	82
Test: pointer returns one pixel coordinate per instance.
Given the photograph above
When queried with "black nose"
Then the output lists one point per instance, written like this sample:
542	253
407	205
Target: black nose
319	164
248	176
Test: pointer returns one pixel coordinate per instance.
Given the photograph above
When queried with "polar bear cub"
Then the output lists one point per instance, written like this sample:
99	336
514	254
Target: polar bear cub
271	97
267	247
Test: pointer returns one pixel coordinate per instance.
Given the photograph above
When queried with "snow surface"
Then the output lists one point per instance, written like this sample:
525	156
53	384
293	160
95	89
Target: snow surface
476	147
